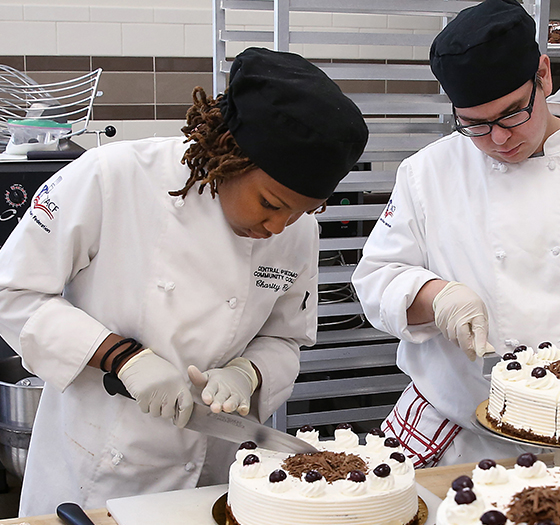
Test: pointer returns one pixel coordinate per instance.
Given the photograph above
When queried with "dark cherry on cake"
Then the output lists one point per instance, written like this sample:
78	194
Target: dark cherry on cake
398	456
462	482
251	459
545	344
509	356
382	470
392	442
356	475
276	476
344	426
520	348
538	372
493	517
312	476
248	445
465	497
527	460
486	464
306	428
514	365
377	432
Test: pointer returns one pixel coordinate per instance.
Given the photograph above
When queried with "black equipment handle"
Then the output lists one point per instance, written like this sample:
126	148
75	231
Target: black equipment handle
73	514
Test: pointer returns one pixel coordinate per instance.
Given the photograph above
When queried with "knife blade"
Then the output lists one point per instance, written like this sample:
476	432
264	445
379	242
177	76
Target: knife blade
238	429
227	426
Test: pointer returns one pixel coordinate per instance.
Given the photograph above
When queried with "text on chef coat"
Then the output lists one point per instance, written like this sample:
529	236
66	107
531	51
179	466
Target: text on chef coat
274	278
388	212
44	203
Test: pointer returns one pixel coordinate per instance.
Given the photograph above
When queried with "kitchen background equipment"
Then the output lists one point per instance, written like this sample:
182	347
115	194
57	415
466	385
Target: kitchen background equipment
68	101
20	392
194	507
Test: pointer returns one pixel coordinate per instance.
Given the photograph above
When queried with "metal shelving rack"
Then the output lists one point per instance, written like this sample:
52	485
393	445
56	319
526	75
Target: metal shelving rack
350	374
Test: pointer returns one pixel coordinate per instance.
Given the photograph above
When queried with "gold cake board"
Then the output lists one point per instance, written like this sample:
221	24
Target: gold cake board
219	510
481	421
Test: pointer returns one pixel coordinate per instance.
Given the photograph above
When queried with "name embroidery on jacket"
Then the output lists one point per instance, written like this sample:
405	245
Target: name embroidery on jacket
275	279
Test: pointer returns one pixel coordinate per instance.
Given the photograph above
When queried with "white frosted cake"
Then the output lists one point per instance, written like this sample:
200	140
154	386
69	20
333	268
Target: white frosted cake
525	393
345	483
529	493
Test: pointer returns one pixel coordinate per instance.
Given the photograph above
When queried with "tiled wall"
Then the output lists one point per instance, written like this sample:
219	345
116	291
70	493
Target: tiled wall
153	52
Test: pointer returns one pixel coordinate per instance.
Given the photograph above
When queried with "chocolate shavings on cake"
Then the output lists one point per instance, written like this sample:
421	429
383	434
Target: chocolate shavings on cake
554	368
535	504
332	465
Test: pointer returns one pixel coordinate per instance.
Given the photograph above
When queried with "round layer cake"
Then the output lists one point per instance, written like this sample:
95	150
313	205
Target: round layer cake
344	483
529	494
525	393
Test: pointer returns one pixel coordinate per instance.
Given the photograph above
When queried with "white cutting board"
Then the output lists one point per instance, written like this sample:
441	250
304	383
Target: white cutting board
194	507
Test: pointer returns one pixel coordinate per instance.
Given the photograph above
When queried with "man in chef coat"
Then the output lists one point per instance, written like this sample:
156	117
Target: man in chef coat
467	262
116	267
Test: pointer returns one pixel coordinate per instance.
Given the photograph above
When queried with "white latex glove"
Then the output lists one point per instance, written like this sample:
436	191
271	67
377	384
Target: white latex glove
158	387
229	388
462	317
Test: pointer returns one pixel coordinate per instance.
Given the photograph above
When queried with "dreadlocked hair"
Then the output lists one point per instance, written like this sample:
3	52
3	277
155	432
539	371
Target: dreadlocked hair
213	156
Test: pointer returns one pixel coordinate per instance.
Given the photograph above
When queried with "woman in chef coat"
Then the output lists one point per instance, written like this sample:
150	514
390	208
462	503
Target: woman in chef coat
464	259
119	266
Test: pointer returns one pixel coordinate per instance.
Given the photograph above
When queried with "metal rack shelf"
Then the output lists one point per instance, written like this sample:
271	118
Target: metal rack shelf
350	374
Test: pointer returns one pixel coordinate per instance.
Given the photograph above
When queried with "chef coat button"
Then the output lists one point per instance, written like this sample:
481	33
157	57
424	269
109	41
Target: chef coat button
117	457
551	165
499	166
167	286
555	251
179	202
190	466
500	254
232	302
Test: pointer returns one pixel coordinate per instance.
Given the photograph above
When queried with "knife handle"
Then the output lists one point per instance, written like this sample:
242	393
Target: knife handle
73	514
113	385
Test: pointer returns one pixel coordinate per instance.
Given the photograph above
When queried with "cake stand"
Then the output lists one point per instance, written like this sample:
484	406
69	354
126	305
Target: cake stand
482	425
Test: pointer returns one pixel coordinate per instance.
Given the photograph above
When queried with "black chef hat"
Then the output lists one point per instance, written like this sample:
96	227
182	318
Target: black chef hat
293	121
485	52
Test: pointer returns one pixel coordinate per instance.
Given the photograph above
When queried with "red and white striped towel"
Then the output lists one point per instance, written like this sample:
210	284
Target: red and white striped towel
425	436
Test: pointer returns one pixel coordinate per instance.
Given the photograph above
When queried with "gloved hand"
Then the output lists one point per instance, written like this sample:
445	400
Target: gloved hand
462	317
158	387
229	388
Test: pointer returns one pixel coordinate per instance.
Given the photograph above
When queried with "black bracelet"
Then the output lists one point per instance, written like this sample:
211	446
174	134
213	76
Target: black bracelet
118	359
122	342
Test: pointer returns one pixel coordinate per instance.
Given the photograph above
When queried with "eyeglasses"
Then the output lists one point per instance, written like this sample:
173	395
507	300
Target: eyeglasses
508	121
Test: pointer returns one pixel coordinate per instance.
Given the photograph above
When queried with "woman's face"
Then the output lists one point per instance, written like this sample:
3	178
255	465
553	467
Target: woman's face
257	206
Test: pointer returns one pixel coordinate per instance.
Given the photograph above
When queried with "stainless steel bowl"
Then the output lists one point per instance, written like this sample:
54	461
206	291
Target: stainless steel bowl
20	392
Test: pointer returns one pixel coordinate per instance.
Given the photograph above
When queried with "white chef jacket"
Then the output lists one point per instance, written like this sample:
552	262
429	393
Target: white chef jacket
104	248
459	215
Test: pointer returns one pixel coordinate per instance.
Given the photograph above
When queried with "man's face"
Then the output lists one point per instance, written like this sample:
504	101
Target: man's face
514	144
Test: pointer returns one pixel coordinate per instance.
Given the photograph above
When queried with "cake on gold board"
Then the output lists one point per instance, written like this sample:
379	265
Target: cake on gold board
344	483
528	494
524	397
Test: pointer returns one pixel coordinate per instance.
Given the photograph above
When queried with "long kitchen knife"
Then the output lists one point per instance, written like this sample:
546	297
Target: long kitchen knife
228	426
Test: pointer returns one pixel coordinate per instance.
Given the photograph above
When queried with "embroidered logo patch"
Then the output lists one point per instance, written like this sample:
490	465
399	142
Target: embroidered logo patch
42	202
275	279
388	213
